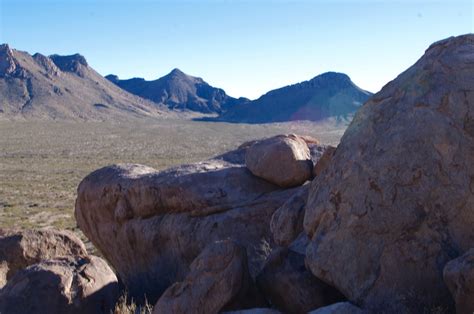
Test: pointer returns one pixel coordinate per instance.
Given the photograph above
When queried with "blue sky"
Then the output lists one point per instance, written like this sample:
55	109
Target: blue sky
246	47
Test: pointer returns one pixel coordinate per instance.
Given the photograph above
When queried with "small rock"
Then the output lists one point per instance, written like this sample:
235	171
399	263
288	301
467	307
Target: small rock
459	277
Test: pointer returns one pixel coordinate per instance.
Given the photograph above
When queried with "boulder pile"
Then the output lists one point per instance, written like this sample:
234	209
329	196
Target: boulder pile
152	225
380	224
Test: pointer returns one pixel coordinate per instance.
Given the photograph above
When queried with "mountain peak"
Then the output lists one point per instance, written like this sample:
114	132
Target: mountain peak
333	77
7	60
46	63
73	63
177	73
112	77
451	42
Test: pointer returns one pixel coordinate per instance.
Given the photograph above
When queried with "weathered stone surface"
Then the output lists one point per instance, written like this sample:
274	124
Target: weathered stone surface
290	287
218	279
395	204
283	160
151	225
339	308
48	65
7	63
19	249
287	221
61	286
324	161
459	277
261	310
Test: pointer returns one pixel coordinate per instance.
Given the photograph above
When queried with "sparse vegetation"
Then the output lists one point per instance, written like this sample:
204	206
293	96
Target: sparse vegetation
42	162
126	305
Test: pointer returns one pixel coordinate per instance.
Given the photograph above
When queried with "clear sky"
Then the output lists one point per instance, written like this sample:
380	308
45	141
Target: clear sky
245	47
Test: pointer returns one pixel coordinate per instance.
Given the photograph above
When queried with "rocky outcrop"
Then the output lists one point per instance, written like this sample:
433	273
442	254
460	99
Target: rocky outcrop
74	63
287	221
151	225
20	249
339	308
218	279
47	64
459	277
282	160
395	204
291	288
61	286
7	61
324	160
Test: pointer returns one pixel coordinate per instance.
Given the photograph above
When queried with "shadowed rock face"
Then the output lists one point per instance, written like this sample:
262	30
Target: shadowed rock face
290	287
73	63
395	204
339	308
459	277
7	63
218	279
67	285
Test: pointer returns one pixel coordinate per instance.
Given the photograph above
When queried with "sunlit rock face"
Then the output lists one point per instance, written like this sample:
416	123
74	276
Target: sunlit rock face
396	203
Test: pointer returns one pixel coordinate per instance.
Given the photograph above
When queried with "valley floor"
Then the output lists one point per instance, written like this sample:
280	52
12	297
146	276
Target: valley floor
42	162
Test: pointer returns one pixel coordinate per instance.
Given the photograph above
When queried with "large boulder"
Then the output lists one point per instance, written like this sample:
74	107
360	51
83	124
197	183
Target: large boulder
61	286
218	279
284	160
395	204
151	225
291	288
19	249
459	276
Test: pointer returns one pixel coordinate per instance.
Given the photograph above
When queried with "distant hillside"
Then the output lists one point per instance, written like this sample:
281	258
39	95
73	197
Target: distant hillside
178	90
63	87
327	95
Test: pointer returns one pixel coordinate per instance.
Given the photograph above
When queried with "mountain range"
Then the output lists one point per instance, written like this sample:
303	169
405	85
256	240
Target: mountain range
66	87
63	87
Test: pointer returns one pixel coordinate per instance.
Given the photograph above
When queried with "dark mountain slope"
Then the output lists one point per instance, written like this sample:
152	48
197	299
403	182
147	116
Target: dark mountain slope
327	95
178	90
